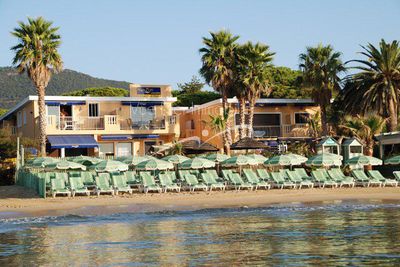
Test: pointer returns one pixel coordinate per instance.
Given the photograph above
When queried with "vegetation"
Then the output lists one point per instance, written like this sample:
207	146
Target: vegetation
191	99
192	87
36	54
99	91
219	122
321	67
3	111
286	83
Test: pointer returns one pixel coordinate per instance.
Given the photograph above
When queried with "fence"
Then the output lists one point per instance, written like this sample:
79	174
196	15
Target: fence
35	181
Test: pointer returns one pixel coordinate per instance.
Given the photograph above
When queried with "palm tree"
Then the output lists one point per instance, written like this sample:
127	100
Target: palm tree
321	66
255	59
36	53
377	87
217	61
219	123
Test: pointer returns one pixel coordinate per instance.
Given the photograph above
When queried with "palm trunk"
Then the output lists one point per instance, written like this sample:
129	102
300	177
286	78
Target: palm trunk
369	152
324	120
42	120
392	121
251	115
227	137
242	111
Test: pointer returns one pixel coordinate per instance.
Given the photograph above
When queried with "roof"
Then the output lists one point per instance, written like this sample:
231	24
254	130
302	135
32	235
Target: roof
248	143
87	98
328	141
196	147
389	135
351	141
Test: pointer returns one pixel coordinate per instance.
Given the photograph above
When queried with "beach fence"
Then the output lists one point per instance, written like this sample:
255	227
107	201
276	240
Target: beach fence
35	181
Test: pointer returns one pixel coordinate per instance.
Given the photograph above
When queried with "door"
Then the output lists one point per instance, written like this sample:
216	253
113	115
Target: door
124	149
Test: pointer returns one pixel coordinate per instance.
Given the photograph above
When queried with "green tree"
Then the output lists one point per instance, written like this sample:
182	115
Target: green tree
99	91
286	83
376	87
3	111
219	123
217	61
321	67
192	87
36	53
188	100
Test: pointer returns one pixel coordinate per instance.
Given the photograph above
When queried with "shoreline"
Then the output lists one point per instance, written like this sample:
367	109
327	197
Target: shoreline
30	206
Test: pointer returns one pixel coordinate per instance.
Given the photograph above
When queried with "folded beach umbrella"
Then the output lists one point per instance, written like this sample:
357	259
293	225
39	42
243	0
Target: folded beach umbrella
217	157
66	165
240	160
324	160
197	163
176	159
285	160
364	160
42	162
257	157
154	164
109	166
393	160
85	160
135	160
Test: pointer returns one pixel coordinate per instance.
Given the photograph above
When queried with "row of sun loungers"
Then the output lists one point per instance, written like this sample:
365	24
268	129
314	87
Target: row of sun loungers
86	183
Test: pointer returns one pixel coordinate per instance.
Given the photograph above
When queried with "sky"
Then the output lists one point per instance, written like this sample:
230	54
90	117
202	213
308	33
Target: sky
157	42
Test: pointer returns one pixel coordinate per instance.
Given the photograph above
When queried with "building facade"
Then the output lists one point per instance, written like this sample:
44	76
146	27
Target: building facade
99	126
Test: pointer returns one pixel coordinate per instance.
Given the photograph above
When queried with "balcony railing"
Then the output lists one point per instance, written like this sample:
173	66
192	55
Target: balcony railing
155	124
284	130
78	123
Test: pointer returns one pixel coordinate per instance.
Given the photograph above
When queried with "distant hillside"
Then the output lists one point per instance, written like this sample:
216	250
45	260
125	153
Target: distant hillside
14	87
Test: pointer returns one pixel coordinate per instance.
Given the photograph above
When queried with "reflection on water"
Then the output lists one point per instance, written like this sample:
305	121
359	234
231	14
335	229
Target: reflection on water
337	235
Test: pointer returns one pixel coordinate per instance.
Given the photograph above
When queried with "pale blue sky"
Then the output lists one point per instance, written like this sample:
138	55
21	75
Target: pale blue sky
157	41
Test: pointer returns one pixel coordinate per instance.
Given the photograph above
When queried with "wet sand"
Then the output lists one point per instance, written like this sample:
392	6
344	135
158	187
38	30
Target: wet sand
17	201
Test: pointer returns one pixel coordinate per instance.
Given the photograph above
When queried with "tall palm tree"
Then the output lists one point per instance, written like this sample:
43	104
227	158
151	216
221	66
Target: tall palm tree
255	59
36	53
377	86
217	61
219	123
321	67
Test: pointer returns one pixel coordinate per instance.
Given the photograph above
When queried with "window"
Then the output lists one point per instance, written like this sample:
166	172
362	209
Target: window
301	118
19	119
260	119
142	116
355	149
124	149
24	117
93	109
106	149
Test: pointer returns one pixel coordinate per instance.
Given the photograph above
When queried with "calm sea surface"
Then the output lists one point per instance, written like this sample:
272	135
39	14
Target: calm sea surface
350	234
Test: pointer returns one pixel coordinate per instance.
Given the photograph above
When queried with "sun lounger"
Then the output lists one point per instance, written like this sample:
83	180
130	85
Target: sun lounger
131	178
377	175
58	187
322	179
279	182
303	174
77	186
173	177
209	180
62	175
397	175
88	179
362	179
214	174
148	183
253	179
103	184
338	176
296	178
119	183
167	184
225	174
263	174
182	174
237	182
192	183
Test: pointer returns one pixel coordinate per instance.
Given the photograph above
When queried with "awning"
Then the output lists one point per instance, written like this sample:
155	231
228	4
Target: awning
142	103
129	136
64	103
72	141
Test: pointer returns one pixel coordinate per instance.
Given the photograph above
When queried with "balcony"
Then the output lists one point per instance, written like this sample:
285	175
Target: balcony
284	130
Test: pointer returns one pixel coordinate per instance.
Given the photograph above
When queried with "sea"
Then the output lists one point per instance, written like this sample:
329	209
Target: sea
319	234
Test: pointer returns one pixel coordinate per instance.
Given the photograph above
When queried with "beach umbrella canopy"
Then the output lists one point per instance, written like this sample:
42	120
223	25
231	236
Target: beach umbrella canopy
393	160
324	159
285	160
257	157
66	165
85	160
217	157
42	162
240	160
135	160
197	163
176	159
109	166
154	164
364	160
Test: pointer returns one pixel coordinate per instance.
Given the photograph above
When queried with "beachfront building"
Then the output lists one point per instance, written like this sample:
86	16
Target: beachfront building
389	144
275	120
99	126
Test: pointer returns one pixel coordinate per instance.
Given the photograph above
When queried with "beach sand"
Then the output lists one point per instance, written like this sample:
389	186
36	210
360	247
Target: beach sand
16	201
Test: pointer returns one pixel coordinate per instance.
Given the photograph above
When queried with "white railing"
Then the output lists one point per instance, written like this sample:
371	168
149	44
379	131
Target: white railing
76	123
155	124
284	130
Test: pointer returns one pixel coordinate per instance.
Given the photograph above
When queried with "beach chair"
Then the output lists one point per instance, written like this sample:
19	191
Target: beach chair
263	174
284	174
209	180
148	183
58	187
62	175
182	174
378	176
74	174
362	179
252	178
77	186
88	179
296	178
342	180
173	177
237	182
167	184
225	174
102	183
322	179
303	174
397	175
195	172
46	177
131	178
214	175
119	183
192	183
279	182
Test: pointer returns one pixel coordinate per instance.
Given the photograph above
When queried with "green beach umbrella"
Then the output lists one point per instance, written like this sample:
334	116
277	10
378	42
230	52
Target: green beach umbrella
363	160
154	164
135	160
66	165
324	160
42	162
85	160
109	166
197	163
240	160
393	160
257	157
286	160
176	159
217	157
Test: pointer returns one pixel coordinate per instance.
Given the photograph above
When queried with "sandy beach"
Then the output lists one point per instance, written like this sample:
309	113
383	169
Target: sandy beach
16	201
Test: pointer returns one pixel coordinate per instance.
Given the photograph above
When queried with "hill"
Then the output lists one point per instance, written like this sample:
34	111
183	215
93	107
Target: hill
14	87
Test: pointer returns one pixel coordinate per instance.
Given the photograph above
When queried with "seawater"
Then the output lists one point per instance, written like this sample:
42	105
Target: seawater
351	234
